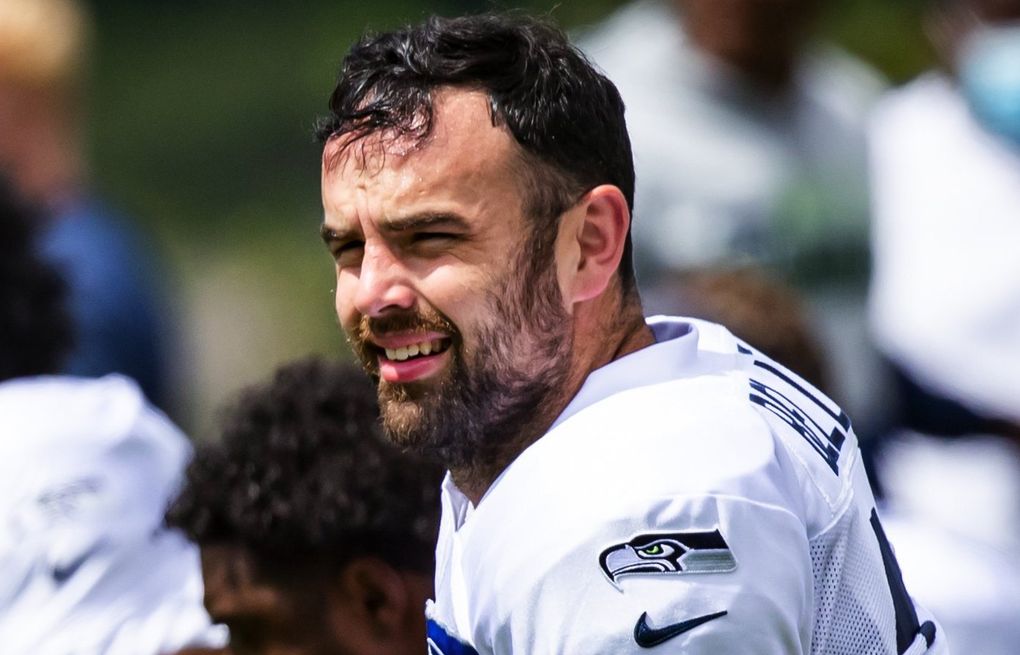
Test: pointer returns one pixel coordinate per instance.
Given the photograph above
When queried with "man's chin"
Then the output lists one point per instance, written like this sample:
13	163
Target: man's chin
415	426
403	420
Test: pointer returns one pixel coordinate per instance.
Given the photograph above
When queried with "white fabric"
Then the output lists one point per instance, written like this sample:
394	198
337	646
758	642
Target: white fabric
87	469
726	172
667	440
946	289
953	513
729	174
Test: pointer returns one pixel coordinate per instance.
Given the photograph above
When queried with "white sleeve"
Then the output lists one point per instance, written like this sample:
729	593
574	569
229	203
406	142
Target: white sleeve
697	575
87	565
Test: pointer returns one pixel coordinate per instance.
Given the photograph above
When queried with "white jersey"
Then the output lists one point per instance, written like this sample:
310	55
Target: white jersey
695	497
87	469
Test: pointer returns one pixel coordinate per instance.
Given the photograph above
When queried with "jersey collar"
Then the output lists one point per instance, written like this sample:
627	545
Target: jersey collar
676	343
675	348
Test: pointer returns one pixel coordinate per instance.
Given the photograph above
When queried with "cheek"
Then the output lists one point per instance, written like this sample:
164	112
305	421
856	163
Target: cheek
461	294
343	300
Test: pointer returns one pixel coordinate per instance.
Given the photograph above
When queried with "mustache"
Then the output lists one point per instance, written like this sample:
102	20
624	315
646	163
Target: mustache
427	320
406	321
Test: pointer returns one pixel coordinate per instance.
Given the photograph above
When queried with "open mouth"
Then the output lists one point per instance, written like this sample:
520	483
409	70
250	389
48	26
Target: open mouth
416	350
414	360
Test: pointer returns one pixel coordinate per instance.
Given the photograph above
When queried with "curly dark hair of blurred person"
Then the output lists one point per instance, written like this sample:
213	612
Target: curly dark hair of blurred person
316	534
35	326
569	126
302	474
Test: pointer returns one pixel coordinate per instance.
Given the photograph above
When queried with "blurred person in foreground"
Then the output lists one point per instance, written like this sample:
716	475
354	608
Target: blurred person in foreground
86	469
111	273
316	533
749	147
945	310
615	483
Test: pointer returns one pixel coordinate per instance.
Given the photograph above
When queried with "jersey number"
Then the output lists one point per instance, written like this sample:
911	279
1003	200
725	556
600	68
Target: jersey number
821	426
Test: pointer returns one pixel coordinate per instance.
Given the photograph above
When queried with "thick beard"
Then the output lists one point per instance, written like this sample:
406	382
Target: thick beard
496	392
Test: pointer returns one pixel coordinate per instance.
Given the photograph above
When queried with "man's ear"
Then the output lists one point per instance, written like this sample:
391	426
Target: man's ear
601	233
376	596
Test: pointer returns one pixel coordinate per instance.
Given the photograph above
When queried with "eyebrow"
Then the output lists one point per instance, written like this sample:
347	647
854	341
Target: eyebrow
426	220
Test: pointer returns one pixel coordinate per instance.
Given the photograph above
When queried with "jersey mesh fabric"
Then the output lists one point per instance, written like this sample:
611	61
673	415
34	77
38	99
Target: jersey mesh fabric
853	607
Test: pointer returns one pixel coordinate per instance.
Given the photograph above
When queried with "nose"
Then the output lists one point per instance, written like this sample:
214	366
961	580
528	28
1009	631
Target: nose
384	283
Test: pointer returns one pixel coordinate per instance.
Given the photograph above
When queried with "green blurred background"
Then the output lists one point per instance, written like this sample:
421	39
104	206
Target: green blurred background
201	128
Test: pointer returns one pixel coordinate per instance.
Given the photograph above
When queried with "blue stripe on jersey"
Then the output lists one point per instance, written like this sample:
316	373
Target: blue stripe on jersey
440	642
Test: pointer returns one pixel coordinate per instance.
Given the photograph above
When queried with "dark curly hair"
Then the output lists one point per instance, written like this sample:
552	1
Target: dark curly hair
566	116
35	324
303	474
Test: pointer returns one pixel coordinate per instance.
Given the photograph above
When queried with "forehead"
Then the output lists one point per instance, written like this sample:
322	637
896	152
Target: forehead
464	158
234	583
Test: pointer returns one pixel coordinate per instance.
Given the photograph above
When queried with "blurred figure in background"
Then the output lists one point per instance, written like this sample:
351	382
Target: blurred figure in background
113	298
748	135
317	535
749	148
86	469
759	309
946	166
945	309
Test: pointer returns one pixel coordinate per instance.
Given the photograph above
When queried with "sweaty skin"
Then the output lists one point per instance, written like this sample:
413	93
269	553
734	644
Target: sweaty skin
433	230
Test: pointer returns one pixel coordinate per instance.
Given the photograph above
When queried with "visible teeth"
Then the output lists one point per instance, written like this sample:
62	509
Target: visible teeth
405	352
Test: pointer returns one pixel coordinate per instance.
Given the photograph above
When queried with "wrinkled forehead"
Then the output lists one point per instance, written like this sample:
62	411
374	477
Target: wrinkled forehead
463	135
360	151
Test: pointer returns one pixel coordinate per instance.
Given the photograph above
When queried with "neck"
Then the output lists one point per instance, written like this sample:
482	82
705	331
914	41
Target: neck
604	331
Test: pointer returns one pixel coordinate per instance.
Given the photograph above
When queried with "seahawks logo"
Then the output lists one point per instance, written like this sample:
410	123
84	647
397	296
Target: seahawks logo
673	553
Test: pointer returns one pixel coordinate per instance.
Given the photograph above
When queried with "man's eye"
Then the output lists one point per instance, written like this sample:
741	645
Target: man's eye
432	237
347	253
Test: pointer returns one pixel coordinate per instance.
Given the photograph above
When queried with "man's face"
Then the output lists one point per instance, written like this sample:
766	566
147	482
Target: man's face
997	11
439	288
743	31
265	616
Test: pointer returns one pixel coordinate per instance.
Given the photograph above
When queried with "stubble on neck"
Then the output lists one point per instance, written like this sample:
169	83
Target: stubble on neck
606	330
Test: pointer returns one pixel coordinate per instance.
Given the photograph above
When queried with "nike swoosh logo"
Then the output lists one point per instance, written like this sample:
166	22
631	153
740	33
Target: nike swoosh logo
63	572
647	637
